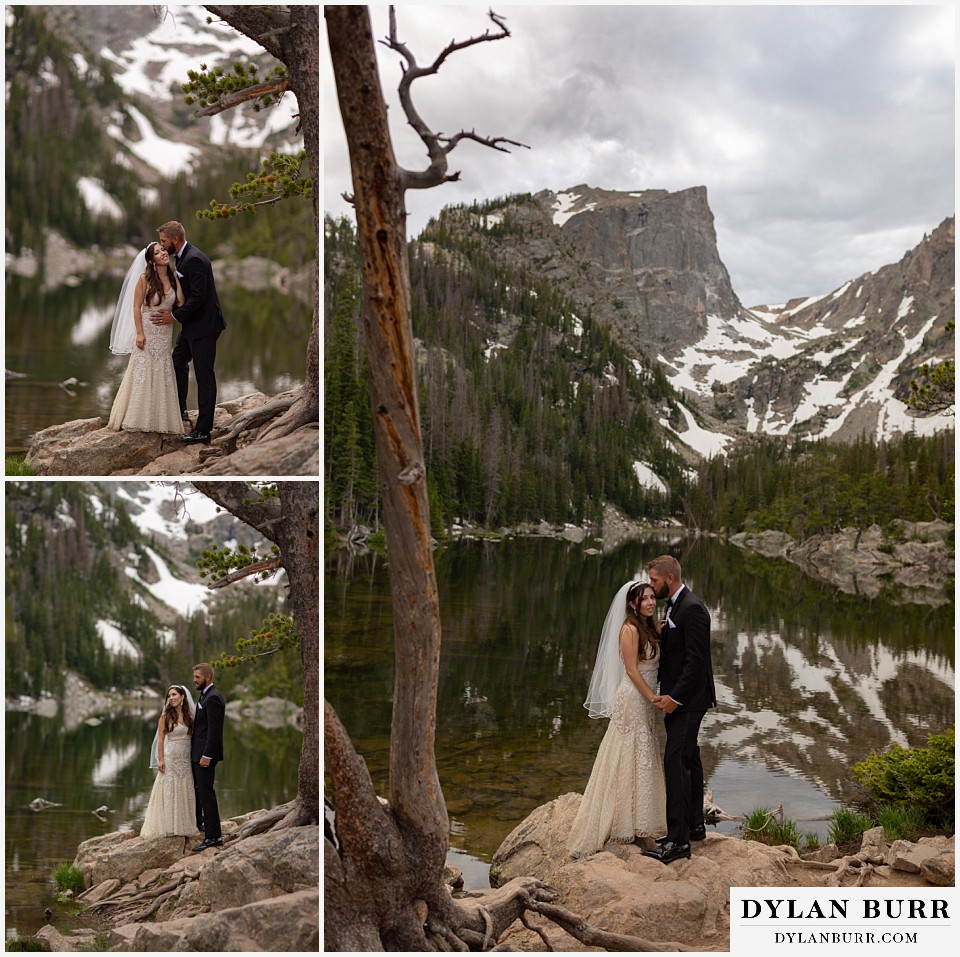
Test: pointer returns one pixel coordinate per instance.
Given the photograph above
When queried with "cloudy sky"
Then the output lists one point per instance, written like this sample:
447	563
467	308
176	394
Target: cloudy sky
824	134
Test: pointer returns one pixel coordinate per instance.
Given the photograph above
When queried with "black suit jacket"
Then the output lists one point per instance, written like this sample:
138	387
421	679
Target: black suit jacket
686	672
208	727
200	315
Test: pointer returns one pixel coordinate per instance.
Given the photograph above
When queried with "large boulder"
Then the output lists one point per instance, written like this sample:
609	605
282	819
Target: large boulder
125	855
294	454
263	866
623	891
82	447
286	923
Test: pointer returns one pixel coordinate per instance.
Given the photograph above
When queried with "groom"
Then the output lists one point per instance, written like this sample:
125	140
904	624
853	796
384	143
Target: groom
686	692
201	322
206	750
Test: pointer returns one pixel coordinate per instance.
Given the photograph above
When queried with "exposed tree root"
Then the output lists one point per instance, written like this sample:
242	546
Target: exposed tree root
487	914
254	418
265	822
577	927
157	896
299	414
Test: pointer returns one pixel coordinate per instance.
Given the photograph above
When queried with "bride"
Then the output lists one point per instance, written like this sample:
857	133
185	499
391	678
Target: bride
625	798
172	806
147	398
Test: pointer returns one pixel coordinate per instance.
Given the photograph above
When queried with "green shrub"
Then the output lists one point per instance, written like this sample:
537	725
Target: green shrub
920	778
17	465
847	826
900	823
811	841
67	877
26	943
771	827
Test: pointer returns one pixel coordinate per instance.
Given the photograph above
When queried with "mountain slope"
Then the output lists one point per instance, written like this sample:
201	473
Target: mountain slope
99	142
101	579
646	265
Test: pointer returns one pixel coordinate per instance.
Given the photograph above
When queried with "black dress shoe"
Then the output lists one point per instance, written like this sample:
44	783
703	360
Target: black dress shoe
669	852
184	416
195	438
217	842
699	833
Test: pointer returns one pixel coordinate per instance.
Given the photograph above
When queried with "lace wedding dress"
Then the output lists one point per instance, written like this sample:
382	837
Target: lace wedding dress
625	796
171	809
147	398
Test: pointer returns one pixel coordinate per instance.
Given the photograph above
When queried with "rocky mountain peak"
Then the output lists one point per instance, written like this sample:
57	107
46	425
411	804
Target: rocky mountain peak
646	263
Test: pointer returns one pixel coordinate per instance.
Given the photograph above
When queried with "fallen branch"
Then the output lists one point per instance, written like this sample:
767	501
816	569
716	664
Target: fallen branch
577	927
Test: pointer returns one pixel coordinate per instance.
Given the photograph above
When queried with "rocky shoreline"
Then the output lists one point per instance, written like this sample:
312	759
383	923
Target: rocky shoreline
81	703
85	447
259	892
688	901
915	557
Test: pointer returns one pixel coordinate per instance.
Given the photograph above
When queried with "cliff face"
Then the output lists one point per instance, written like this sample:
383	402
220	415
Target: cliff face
647	264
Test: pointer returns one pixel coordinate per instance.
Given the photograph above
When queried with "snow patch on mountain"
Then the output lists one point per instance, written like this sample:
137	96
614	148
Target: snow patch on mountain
648	478
152	502
184	597
115	641
564	207
97	199
157	63
164	155
707	443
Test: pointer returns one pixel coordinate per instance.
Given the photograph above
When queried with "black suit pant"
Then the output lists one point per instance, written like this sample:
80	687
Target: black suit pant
208	813
203	353
683	774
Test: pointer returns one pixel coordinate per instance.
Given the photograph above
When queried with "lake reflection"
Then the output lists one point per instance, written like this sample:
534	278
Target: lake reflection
809	679
88	767
56	335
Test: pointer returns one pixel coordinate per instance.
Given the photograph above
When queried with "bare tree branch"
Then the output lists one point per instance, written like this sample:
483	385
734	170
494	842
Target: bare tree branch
438	146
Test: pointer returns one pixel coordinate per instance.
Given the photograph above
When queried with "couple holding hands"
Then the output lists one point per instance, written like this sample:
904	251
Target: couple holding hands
633	795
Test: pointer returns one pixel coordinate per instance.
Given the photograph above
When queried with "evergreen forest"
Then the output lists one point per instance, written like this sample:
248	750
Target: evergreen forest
530	411
56	121
66	569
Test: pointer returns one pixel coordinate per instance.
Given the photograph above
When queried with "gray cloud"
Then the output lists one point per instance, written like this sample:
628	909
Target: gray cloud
824	135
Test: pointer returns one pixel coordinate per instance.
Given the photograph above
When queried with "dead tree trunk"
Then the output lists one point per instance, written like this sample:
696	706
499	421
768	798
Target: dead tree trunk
383	868
414	830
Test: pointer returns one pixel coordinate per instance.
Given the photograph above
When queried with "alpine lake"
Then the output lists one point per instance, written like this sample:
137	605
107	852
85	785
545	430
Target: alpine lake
59	366
810	678
84	767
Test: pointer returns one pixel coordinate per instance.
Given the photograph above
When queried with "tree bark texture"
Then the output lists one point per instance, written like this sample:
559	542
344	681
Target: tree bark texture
292	35
293	523
415	796
381	221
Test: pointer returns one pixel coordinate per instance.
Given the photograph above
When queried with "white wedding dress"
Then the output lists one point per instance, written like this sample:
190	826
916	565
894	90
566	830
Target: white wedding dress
625	796
172	806
147	398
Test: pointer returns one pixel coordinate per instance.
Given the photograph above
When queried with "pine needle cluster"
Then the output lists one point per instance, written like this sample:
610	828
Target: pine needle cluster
207	87
281	177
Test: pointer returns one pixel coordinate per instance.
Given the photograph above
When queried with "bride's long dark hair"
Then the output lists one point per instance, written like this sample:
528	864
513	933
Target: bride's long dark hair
154	294
170	712
647	627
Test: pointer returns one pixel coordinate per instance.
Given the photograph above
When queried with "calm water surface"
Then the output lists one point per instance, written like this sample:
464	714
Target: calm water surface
809	679
89	767
55	335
